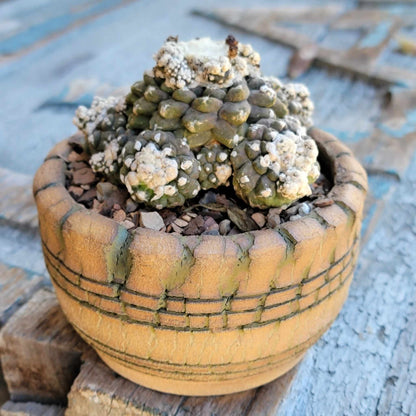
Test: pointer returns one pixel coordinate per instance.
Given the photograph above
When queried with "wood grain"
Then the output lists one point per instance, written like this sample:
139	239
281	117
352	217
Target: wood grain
97	390
40	352
17	205
30	409
16	287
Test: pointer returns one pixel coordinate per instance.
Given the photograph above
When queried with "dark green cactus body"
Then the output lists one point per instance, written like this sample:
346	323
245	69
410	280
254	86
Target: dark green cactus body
172	136
215	166
274	164
159	170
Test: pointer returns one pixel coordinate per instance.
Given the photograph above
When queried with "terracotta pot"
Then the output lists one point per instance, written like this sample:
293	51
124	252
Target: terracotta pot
202	315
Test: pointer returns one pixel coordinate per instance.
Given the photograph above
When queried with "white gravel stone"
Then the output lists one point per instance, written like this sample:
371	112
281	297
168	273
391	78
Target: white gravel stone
151	220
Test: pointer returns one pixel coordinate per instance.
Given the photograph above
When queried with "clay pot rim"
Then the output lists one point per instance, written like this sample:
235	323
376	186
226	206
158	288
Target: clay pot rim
344	167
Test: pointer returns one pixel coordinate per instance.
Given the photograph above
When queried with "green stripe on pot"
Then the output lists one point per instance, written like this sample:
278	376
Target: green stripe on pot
118	256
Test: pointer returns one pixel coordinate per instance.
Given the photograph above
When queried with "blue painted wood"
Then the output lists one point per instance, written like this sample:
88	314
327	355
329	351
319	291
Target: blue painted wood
40	31
19	15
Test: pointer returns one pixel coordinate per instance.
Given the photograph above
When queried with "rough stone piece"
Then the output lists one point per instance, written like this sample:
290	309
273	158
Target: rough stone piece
151	220
259	219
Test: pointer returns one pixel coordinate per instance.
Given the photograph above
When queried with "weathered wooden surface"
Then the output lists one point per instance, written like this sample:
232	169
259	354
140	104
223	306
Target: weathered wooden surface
40	352
360	59
16	200
30	409
98	390
16	287
365	364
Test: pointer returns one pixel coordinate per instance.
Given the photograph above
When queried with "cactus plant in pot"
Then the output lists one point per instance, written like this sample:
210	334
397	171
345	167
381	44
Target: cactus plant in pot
209	311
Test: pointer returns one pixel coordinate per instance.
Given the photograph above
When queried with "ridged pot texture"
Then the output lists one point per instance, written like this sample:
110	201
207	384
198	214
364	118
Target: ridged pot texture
202	315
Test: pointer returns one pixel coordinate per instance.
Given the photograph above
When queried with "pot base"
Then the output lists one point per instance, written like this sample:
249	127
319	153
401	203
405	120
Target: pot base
198	388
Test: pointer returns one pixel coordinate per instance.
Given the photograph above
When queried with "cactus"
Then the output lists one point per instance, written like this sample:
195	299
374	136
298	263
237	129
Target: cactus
203	116
215	166
101	123
274	164
159	170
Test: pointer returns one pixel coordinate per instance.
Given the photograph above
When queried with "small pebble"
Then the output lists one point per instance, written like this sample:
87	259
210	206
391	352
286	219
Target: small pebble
325	202
76	190
88	195
276	211
186	217
180	223
208	198
151	220
273	219
83	176
135	216
211	232
210	224
176	228
225	227
104	190
304	209
234	231
295	217
119	215
128	224
131	205
86	187
192	214
292	210
259	219
96	205
74	157
78	165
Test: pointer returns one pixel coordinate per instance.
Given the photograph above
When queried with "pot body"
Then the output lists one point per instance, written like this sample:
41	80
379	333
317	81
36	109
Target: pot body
202	315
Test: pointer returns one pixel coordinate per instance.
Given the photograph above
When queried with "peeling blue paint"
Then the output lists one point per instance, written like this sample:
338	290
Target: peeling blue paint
377	35
367	219
347	136
40	31
409	126
368	159
379	185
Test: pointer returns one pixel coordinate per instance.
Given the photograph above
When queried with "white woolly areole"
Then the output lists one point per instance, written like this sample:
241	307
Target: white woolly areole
105	161
87	119
223	172
154	169
204	62
294	159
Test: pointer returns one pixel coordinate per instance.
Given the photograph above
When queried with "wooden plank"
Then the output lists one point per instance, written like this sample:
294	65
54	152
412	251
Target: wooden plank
399	394
30	409
16	287
40	351
17	205
40	33
97	389
23	14
360	60
4	393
